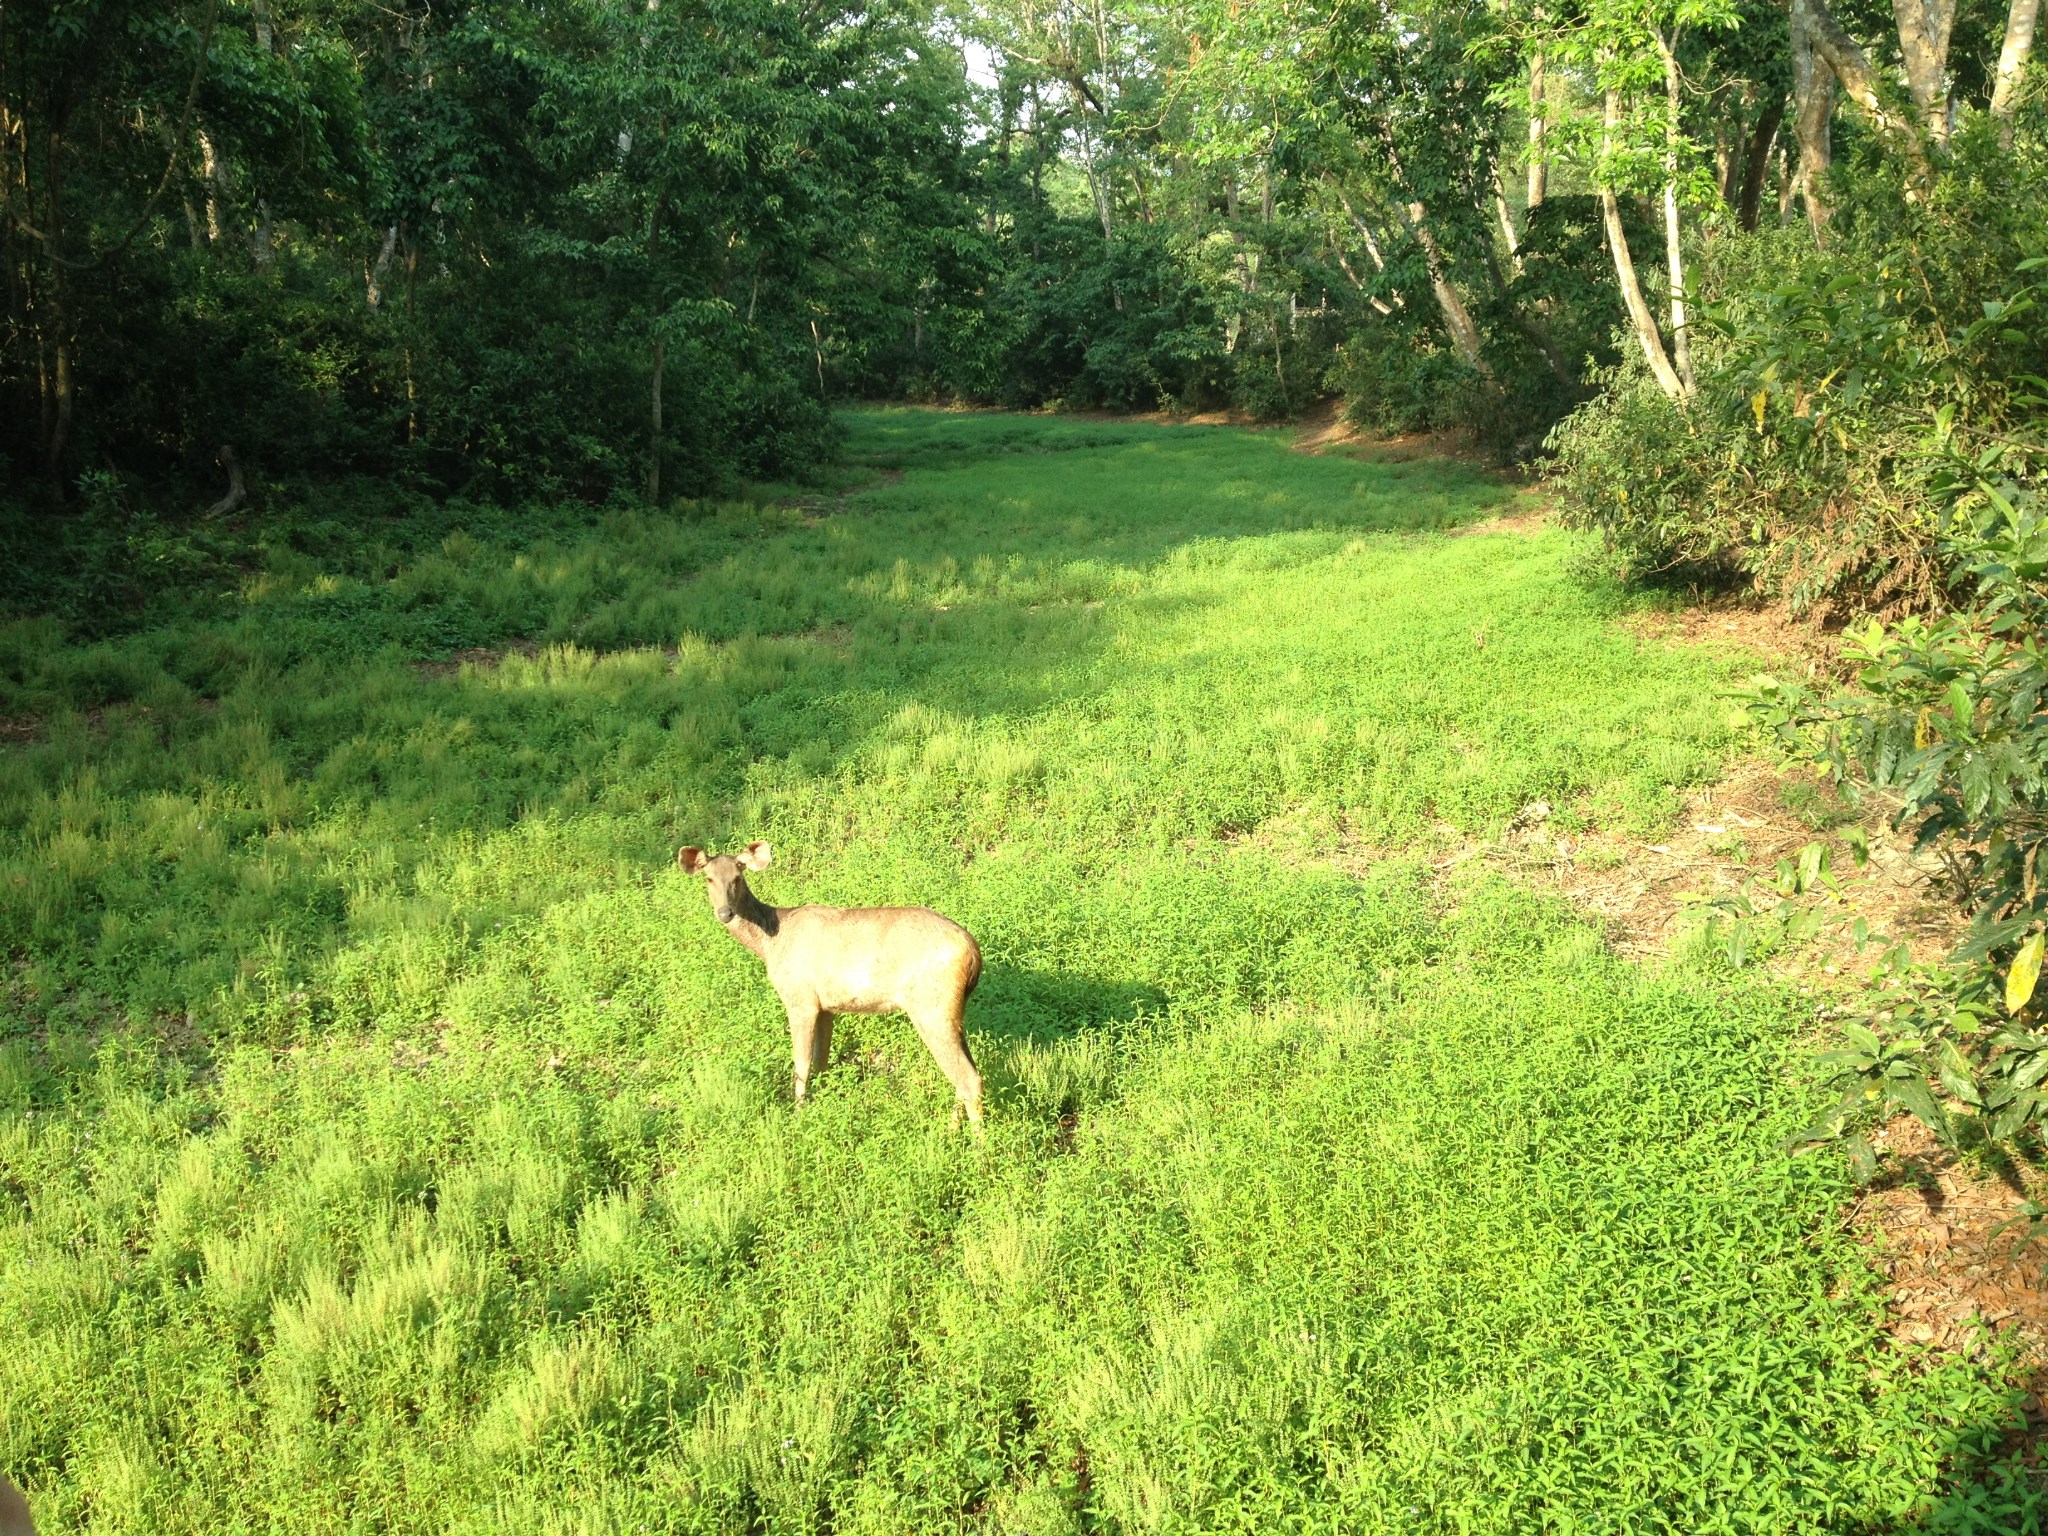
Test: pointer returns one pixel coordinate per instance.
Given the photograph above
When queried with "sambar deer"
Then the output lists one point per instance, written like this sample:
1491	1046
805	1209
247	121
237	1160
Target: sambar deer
14	1515
830	960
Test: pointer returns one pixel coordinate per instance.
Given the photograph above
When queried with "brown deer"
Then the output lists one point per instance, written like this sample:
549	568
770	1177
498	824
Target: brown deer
830	960
14	1516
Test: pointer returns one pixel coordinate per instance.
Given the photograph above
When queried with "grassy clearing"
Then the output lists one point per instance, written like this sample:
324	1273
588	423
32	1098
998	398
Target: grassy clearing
390	1141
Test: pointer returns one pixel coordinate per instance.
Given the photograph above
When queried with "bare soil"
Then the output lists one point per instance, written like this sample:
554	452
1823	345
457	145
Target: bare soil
1966	1270
476	656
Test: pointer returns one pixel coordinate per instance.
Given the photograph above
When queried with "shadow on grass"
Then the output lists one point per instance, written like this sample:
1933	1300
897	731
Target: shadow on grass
221	809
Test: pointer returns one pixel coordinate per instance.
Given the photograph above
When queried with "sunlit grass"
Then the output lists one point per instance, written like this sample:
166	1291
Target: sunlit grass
389	1140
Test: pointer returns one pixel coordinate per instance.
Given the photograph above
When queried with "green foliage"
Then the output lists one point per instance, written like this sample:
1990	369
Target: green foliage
388	1134
1949	719
447	245
1828	382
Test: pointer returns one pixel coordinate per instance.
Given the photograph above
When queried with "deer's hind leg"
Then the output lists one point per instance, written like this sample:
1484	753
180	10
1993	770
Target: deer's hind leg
943	1029
810	1041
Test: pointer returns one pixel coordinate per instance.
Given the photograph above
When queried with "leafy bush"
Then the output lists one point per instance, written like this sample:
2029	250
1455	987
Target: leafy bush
1800	464
1952	720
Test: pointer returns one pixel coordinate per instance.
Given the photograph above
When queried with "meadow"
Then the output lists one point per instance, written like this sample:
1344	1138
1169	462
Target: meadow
391	1141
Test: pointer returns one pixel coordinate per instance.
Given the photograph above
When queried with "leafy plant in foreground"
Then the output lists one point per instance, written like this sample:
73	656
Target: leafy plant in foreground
1951	721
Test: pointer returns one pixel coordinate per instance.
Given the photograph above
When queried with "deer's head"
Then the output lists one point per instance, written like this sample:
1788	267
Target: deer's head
725	876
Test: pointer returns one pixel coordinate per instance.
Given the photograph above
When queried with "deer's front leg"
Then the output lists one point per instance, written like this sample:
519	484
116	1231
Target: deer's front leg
810	1036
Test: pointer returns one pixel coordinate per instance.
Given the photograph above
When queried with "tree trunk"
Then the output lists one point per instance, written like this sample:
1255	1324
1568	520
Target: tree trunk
373	273
262	242
1757	166
56	302
1096	191
1531	325
1924	30
1839	51
212	175
2012	64
1674	250
1457	318
1507	219
236	492
61	384
654	421
1639	314
660	359
1372	246
1813	95
1539	164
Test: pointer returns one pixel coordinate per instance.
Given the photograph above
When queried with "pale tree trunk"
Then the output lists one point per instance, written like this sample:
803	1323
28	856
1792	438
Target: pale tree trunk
214	176
261	240
1835	48
1378	303
1372	249
1457	318
1674	251
1639	315
58	396
1096	190
1727	143
660	358
2012	64
373	273
1539	163
1507	219
1813	97
1924	29
236	492
654	420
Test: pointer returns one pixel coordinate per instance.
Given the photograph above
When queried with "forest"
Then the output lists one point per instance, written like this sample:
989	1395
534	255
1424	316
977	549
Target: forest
1452	590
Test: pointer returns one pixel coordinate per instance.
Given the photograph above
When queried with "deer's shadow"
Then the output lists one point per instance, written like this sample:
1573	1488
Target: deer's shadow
1016	1004
1046	1040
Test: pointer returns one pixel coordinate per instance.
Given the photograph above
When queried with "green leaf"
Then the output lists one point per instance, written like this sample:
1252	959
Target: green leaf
1862	1159
1914	1094
1956	1075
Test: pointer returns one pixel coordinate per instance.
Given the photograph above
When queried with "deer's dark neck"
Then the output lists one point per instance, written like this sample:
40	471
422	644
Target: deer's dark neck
754	923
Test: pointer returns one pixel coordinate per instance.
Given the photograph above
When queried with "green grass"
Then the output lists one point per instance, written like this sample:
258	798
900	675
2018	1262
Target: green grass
391	1141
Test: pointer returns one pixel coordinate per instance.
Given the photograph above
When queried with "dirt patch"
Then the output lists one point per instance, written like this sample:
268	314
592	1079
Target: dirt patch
1736	623
1962	1264
20	730
1531	516
476	656
1647	896
1730	838
1326	429
814	510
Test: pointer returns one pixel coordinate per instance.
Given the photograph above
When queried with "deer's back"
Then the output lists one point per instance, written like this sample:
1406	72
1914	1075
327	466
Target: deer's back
14	1516
874	959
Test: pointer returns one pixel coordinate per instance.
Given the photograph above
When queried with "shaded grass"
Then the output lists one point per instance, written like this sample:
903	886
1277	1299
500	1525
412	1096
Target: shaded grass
389	1140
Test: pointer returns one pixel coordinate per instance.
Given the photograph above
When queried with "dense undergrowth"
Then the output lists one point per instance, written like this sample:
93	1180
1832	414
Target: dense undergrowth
1843	390
389	1140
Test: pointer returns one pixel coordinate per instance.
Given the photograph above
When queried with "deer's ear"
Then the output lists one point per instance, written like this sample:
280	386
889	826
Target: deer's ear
691	859
756	856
